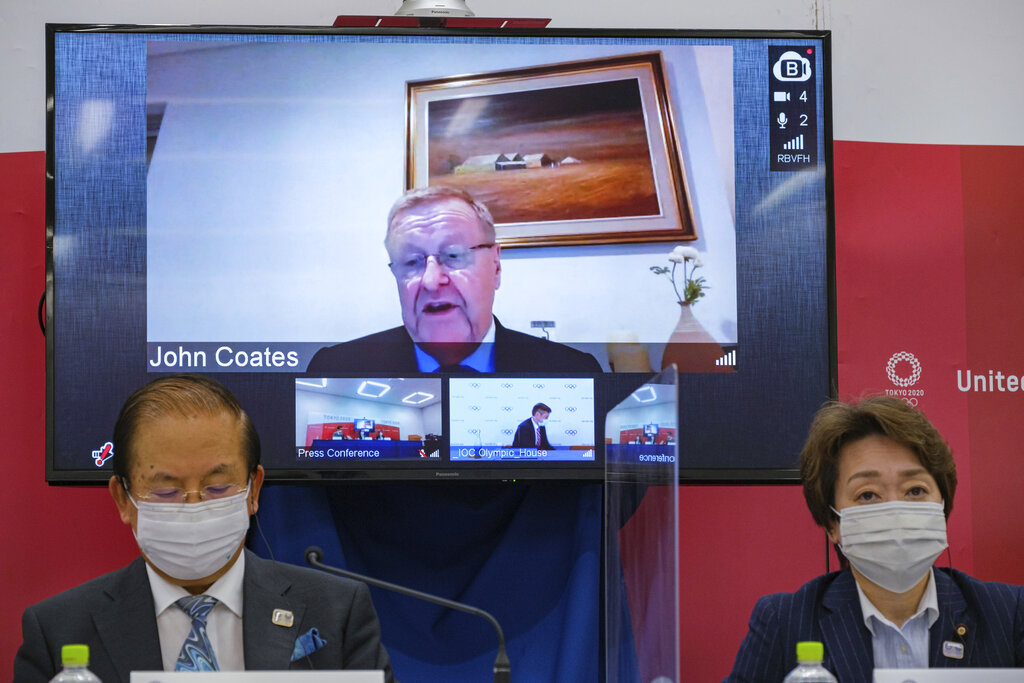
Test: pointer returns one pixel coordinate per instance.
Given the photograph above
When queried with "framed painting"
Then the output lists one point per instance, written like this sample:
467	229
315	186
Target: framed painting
581	152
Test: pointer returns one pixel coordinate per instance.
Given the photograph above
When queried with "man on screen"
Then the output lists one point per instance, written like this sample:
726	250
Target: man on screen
531	432
447	265
186	480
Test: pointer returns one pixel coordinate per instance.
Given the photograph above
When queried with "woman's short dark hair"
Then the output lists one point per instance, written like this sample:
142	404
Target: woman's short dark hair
184	395
837	425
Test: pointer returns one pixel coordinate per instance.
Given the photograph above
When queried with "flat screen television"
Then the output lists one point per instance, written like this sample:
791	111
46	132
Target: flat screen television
217	200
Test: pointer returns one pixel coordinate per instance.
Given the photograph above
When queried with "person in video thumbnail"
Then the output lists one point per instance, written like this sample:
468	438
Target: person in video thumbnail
339	433
447	265
531	432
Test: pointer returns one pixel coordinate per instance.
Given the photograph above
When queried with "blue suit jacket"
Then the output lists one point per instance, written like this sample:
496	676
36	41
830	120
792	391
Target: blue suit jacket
114	616
827	609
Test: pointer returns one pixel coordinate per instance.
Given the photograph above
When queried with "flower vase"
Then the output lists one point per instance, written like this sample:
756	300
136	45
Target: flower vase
690	347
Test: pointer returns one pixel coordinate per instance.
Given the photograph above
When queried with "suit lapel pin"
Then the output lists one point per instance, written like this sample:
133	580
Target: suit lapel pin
952	650
283	617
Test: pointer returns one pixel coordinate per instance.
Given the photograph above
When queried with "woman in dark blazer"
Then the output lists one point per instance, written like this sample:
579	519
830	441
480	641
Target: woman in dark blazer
880	480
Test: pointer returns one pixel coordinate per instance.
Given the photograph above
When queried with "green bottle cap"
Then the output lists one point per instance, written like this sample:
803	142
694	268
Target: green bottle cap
809	651
75	655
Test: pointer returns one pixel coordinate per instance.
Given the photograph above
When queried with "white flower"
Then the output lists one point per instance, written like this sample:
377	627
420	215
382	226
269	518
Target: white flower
681	253
693	285
688	253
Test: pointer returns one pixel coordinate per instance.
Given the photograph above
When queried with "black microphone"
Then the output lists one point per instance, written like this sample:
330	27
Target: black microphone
502	669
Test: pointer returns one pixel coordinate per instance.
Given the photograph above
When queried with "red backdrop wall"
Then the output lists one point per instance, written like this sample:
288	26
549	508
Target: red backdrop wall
53	537
928	240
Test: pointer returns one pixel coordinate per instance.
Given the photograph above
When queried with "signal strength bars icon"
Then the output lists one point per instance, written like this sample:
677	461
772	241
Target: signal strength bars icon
795	143
728	359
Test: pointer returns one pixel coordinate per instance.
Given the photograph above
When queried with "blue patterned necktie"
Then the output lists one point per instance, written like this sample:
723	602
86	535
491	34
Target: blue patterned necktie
196	652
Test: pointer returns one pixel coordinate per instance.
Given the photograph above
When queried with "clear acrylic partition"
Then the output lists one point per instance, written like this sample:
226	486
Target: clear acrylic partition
642	535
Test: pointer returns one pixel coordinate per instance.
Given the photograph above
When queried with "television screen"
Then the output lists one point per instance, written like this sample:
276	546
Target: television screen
364	425
218	197
650	430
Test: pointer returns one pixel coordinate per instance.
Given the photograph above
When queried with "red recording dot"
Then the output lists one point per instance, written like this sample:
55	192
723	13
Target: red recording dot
810	50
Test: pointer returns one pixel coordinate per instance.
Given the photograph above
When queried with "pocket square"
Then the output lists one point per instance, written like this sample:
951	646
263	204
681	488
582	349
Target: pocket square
306	644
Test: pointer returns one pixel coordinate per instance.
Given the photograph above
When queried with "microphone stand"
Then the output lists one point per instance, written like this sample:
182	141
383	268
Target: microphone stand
502	668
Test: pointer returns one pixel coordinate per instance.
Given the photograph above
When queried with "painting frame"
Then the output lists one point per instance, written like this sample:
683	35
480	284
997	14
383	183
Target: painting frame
556	193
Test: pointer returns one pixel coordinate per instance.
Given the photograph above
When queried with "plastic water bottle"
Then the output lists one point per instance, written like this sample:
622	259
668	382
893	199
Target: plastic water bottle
809	669
75	659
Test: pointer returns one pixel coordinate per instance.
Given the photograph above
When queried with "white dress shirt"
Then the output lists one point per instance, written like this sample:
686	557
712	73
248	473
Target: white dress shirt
223	626
481	360
902	647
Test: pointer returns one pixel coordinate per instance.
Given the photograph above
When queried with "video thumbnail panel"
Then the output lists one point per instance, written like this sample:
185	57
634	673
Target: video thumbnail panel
643	428
537	419
359	422
267	255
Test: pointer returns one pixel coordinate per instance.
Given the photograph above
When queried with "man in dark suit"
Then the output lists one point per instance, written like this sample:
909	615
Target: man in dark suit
186	480
531	432
879	478
447	265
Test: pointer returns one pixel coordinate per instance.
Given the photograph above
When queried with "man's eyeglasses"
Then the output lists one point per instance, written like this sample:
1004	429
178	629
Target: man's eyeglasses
169	494
455	257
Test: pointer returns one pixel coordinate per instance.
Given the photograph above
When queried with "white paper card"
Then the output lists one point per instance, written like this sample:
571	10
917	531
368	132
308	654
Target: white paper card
948	675
258	677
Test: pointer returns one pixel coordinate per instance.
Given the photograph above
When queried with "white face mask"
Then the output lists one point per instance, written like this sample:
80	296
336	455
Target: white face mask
191	540
893	544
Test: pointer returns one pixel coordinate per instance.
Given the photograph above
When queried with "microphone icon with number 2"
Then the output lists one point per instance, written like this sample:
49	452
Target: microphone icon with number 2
782	120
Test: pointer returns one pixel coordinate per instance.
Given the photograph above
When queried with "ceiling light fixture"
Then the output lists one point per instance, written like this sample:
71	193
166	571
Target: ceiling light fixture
417	397
650	395
372	389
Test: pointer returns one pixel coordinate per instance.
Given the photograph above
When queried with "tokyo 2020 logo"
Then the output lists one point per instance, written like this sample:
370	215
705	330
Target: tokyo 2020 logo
899	379
897	370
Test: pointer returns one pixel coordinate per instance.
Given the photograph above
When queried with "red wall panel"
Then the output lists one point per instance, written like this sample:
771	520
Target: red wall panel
737	543
993	201
900	290
53	537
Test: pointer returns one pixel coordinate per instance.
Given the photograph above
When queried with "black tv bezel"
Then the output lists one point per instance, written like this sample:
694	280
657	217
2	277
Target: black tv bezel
711	476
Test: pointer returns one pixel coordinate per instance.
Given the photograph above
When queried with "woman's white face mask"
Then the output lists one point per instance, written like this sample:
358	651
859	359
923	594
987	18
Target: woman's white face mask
192	540
893	544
